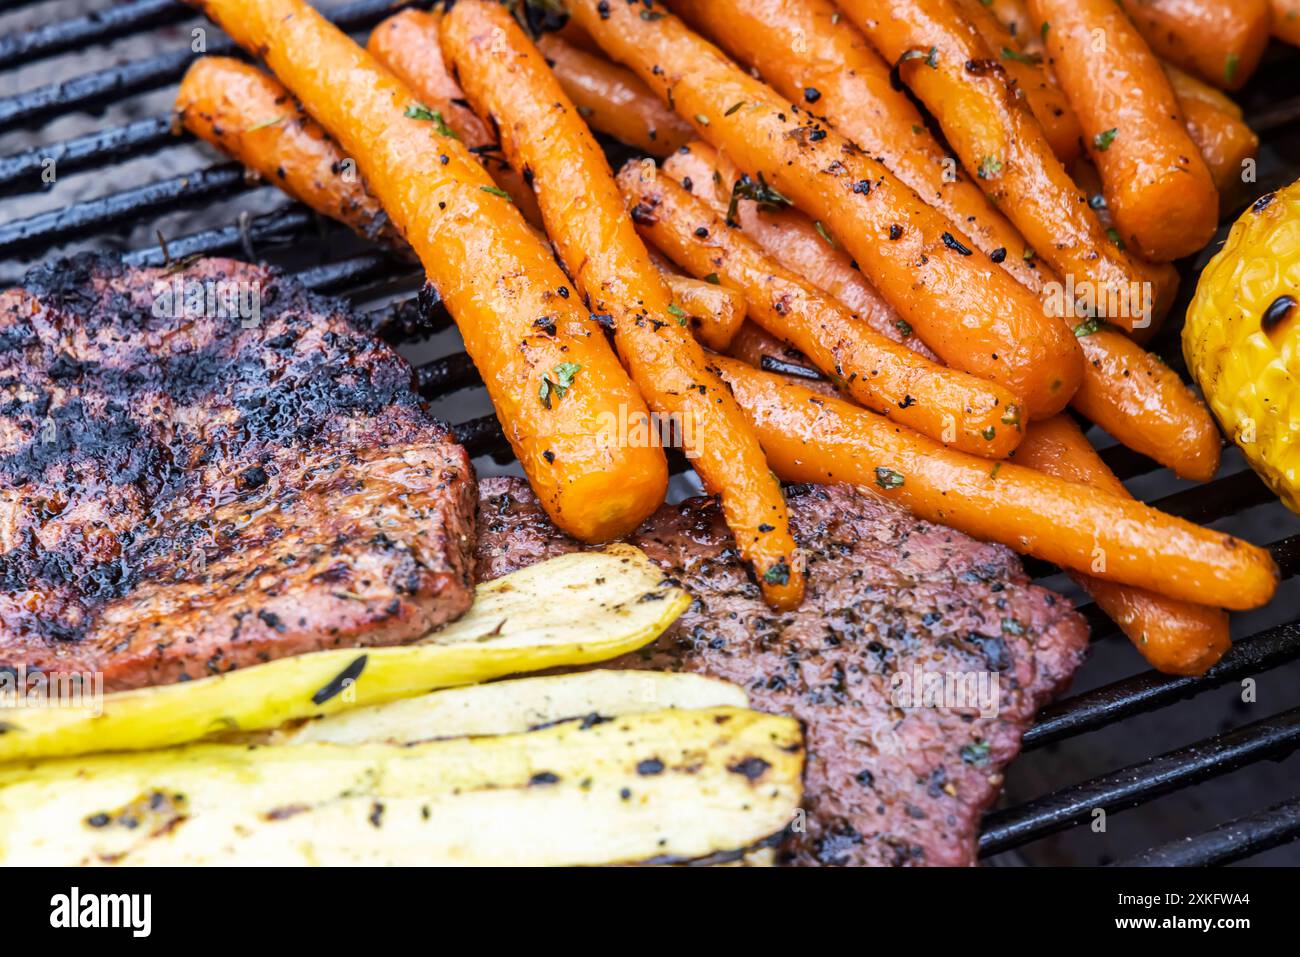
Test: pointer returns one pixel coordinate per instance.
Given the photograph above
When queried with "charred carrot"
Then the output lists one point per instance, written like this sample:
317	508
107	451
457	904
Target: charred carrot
1176	637
247	114
1158	187
612	100
812	438
408	44
811	55
506	77
952	70
1221	41
789	237
1040	91
1143	403
963	305
552	392
953	407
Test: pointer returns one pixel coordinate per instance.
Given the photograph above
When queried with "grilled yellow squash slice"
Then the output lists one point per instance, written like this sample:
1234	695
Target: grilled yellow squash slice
571	610
663	786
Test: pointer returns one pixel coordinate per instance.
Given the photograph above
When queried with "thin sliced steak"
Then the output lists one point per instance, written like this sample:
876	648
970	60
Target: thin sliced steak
889	597
194	483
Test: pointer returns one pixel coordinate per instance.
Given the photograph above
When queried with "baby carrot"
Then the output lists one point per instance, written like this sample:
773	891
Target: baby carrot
972	313
612	100
552	392
1177	637
951	406
408	44
812	438
813	56
1158	187
247	114
507	78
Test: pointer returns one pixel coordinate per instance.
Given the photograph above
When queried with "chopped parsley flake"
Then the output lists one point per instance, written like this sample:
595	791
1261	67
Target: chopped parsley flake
1103	139
557	382
888	478
418	111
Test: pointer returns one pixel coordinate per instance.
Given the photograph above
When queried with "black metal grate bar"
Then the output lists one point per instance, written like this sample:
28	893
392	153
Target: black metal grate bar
277	226
1234	841
22	172
43	230
99	26
93	90
1142	782
1147	692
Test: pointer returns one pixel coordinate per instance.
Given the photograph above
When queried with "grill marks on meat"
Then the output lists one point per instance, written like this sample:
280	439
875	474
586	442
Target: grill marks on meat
887	595
184	496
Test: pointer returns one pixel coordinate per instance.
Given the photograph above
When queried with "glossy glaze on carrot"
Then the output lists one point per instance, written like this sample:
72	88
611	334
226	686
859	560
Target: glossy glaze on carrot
947	64
507	78
1157	185
408	44
611	99
1177	637
813	438
810	54
496	277
248	115
971	312
952	407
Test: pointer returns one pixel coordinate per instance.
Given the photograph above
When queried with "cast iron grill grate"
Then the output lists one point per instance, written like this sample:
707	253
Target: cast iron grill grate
327	259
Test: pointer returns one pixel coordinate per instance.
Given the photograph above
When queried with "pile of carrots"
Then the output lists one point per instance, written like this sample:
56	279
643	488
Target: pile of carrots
955	305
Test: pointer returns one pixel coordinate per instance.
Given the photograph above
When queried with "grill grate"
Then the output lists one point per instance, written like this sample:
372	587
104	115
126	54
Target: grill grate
288	234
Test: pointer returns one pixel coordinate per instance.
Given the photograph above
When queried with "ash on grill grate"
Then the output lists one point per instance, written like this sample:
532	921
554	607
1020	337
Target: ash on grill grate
121	180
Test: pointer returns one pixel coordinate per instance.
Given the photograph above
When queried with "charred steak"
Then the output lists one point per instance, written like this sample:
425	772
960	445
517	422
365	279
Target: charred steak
889	598
208	467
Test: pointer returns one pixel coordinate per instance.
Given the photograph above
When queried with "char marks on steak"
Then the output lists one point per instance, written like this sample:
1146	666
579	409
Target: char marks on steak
207	488
888	595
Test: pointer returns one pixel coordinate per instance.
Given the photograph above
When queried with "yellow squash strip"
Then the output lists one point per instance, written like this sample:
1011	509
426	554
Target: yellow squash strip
511	707
664	786
575	609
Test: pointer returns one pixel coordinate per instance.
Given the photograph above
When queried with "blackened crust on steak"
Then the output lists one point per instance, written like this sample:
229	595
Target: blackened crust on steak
215	485
887	596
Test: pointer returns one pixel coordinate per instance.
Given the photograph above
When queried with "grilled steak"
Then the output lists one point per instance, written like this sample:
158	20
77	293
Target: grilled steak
889	598
209	467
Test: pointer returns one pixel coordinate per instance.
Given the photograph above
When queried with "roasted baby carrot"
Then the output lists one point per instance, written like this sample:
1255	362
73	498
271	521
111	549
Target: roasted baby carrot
1220	41
1215	125
950	406
1176	637
964	306
612	100
789	237
507	78
950	67
1143	403
408	44
1127	391
812	438
553	389
247	114
1042	95
715	313
811	55
1158	187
